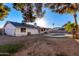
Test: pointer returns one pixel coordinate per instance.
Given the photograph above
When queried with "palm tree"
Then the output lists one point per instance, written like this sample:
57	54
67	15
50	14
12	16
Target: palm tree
53	25
29	10
61	8
4	10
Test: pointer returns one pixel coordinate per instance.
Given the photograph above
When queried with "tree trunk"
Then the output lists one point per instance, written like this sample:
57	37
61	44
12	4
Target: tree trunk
76	25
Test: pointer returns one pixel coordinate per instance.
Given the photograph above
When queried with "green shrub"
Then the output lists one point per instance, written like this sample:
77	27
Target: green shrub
10	48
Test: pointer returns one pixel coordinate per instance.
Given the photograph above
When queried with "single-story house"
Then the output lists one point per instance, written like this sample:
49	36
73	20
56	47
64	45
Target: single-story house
19	29
44	30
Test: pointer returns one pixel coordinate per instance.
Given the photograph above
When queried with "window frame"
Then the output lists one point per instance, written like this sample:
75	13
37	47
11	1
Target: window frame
22	29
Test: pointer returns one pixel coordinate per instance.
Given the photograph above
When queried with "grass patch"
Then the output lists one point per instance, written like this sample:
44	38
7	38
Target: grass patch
9	48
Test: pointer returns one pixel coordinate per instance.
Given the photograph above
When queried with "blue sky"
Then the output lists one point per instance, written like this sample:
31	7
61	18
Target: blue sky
49	18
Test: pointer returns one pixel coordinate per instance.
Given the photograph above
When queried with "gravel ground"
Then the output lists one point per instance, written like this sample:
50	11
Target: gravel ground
39	45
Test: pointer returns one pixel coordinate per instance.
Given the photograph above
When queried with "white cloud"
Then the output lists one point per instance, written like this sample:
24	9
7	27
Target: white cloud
41	22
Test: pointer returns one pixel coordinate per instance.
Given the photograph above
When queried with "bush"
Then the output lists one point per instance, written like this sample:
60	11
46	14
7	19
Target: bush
10	48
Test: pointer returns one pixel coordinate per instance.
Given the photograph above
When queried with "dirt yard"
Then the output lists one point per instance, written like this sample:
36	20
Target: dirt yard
39	45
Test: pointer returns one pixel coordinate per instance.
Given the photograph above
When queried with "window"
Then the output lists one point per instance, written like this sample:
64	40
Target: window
23	29
41	29
44	29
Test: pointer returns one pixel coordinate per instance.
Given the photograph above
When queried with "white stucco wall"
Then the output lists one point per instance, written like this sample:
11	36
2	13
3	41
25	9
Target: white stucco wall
32	30
19	33
43	31
9	29
46	30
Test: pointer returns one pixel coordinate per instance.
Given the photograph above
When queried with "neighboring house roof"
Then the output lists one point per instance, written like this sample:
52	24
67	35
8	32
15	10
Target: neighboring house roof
58	28
20	24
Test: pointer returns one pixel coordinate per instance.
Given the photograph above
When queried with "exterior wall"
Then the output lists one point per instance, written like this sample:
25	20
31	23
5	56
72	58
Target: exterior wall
44	31
9	29
19	33
31	30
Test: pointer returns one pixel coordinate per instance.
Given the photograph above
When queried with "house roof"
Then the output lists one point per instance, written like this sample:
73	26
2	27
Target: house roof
21	24
58	28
